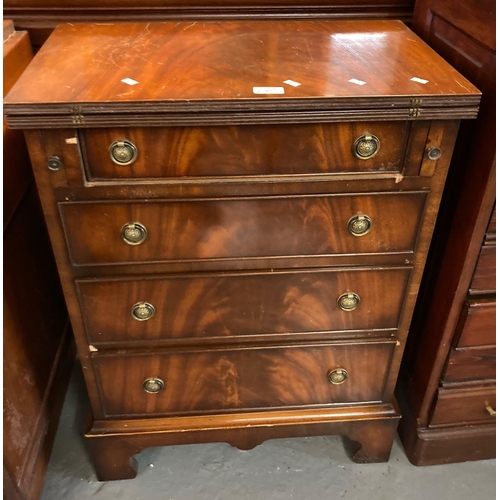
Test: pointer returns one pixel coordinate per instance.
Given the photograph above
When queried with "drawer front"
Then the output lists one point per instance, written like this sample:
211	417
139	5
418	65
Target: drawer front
484	278
474	363
243	150
455	406
477	326
243	304
241	228
225	380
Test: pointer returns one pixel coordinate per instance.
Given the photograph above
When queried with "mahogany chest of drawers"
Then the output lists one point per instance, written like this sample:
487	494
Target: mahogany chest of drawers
241	213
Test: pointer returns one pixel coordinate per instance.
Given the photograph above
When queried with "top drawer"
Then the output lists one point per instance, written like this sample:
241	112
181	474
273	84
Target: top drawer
156	152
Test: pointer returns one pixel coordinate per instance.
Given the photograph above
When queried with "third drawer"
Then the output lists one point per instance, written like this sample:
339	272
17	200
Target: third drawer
241	304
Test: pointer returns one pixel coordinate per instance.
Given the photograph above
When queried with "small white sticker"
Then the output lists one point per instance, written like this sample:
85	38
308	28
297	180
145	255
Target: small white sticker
71	140
268	90
292	83
357	82
129	81
419	80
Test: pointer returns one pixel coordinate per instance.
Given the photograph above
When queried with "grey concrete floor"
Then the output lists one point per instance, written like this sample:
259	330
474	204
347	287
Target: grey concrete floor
303	469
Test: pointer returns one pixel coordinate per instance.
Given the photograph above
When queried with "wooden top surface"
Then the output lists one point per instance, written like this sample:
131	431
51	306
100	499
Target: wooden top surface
216	65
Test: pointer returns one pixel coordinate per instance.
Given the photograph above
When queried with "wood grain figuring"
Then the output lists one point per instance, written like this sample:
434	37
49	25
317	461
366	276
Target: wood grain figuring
216	380
455	406
40	17
471	364
191	230
235	305
484	278
83	65
245	150
477	325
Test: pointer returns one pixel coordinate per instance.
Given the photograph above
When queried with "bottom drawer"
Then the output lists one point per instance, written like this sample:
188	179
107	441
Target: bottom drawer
455	406
244	378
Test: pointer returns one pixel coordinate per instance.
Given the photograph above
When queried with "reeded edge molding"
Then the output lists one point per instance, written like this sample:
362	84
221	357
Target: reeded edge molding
248	105
227	421
18	118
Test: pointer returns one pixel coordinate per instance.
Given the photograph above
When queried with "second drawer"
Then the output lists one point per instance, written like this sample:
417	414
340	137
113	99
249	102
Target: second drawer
208	229
212	305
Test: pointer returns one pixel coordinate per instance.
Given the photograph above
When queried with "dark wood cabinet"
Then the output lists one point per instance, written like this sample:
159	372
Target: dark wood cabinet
447	383
240	255
38	348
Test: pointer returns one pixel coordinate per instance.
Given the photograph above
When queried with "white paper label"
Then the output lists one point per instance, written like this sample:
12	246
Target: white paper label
268	90
357	82
292	83
129	81
419	80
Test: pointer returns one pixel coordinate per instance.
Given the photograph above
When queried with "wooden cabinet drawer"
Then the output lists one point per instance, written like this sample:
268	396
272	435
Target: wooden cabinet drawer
455	406
473	363
484	278
243	150
477	324
244	378
240	304
291	226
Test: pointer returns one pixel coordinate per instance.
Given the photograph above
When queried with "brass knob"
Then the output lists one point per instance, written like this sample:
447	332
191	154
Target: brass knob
123	152
153	385
434	153
348	301
54	163
134	233
337	376
142	311
491	411
366	146
359	225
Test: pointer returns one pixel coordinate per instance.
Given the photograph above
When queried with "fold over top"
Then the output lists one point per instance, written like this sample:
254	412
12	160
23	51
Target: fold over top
220	66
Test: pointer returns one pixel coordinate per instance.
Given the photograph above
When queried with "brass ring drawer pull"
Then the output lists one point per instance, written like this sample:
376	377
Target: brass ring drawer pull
359	225
366	147
142	311
491	411
123	152
134	233
348	301
153	385
337	376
